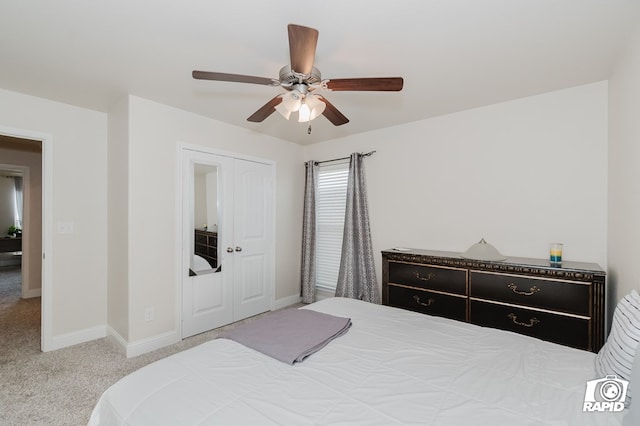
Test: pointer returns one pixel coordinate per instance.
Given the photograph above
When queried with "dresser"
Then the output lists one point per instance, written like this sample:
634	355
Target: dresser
564	305
10	244
206	246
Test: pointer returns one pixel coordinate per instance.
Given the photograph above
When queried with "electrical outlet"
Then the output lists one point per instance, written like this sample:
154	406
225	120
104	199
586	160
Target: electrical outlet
148	314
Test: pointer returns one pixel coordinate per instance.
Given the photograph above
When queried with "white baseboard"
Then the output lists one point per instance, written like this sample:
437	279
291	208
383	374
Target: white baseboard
324	294
142	346
292	300
132	349
286	301
37	292
118	339
76	337
151	344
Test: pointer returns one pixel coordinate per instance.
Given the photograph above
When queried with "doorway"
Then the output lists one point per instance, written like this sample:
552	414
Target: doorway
40	240
21	237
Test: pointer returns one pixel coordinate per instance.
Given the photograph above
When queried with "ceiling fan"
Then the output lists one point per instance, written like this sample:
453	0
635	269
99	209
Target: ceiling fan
301	80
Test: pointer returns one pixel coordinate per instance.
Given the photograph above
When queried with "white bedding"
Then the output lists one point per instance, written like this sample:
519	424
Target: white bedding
392	367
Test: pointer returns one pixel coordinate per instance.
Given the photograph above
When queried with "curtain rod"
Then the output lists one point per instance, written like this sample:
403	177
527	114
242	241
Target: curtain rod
345	158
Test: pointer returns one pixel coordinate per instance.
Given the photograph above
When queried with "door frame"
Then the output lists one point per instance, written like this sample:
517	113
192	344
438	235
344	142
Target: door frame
181	149
46	302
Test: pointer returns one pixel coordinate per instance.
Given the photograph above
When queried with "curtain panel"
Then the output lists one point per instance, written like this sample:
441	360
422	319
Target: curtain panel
308	264
357	276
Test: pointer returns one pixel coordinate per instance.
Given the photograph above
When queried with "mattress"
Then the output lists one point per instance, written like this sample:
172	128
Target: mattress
393	367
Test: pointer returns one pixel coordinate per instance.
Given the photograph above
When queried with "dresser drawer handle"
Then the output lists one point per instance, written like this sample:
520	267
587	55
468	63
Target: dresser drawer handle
428	303
531	323
429	276
533	290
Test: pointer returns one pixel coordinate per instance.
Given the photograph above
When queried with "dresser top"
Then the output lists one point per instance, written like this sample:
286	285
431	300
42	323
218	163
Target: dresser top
515	264
202	231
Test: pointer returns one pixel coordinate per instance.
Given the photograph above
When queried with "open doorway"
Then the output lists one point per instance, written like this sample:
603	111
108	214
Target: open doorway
21	240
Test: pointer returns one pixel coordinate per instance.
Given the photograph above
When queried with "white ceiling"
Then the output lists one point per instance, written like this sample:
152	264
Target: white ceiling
453	54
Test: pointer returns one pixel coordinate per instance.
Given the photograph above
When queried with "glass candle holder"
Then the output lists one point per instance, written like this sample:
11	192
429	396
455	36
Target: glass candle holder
555	254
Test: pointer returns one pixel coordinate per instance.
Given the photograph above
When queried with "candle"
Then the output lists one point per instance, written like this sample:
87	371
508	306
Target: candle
555	253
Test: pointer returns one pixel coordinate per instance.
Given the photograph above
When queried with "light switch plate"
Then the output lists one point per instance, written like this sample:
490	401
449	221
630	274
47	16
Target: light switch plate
65	227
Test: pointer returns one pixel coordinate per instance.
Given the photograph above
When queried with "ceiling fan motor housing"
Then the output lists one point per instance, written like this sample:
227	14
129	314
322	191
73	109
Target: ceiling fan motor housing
289	78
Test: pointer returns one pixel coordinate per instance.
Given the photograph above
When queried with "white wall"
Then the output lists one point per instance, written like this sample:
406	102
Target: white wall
520	174
624	173
155	132
78	261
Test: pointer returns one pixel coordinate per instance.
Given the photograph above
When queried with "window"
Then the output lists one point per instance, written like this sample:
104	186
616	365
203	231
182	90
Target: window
330	208
18	200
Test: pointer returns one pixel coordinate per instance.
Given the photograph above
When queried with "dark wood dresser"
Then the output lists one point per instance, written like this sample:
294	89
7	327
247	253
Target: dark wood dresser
565	305
10	244
206	246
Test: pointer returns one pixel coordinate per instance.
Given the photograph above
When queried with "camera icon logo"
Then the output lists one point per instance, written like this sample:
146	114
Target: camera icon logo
606	394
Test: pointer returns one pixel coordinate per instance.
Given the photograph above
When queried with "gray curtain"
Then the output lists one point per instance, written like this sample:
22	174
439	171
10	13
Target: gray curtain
357	276
308	269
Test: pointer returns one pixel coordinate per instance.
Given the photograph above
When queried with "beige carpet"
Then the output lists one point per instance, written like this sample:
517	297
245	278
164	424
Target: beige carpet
59	387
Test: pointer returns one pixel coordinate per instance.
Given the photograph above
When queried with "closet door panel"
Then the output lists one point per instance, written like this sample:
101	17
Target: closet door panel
253	218
250	280
207	296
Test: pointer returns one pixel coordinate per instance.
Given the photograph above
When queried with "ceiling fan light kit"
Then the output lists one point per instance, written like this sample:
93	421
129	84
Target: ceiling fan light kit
314	105
301	79
307	105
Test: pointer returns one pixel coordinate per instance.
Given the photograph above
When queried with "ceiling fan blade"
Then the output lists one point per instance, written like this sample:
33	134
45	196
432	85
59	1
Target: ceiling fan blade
382	84
266	110
236	78
332	113
302	47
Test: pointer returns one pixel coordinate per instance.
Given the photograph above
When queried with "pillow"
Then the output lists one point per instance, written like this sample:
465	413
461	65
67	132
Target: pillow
632	418
617	354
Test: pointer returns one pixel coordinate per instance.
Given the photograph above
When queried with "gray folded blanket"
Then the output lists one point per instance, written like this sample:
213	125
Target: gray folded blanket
290	335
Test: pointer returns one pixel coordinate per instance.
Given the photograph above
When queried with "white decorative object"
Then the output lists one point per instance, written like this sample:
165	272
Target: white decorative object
482	250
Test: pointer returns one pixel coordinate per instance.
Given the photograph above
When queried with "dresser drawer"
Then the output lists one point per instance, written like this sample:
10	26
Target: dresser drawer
450	280
557	328
556	295
428	302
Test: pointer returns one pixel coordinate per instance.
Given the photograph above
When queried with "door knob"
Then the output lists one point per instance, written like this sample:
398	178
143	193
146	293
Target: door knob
229	249
238	248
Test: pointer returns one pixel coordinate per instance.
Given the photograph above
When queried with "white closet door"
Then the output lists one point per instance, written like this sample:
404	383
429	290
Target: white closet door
244	284
253	229
207	298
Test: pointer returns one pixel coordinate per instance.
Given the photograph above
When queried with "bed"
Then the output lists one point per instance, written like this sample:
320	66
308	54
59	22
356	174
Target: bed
393	367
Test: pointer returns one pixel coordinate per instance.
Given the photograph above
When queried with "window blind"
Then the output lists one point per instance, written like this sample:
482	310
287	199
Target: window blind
330	208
